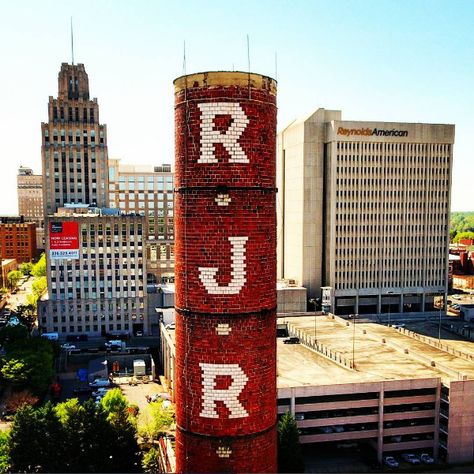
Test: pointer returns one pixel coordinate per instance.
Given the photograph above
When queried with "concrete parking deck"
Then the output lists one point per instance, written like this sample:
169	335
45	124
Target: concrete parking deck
380	353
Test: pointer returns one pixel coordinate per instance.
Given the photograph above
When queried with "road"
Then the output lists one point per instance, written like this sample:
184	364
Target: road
20	297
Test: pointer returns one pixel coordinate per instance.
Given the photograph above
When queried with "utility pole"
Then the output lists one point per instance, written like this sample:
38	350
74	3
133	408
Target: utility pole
389	306
441	305
354	320
313	302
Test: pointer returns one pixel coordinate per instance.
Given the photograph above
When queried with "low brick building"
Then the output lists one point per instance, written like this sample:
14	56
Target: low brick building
17	239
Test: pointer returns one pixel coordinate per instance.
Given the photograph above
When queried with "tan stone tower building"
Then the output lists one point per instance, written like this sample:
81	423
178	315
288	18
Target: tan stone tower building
364	211
96	266
30	200
74	148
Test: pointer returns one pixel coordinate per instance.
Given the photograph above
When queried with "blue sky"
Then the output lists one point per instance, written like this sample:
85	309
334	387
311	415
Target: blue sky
408	61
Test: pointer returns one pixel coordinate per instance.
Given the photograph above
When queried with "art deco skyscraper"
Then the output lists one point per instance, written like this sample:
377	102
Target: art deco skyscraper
74	145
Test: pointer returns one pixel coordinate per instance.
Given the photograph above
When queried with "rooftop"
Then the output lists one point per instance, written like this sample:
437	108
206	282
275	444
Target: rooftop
380	353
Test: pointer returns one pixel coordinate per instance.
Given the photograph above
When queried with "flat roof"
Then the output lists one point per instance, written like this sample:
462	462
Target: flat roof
380	353
400	357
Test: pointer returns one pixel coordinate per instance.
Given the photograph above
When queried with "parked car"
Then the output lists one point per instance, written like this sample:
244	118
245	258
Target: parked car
426	458
102	382
391	462
116	343
67	346
291	340
411	458
82	389
326	429
13	321
100	392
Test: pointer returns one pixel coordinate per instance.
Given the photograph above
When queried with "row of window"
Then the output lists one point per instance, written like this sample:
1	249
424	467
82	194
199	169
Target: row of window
402	148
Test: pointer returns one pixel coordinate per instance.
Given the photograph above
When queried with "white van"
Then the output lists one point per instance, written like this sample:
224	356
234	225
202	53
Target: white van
52	336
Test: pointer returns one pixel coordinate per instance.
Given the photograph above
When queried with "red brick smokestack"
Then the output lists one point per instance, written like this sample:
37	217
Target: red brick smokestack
225	270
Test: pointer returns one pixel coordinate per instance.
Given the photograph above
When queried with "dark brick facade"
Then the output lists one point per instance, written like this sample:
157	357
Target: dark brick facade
225	273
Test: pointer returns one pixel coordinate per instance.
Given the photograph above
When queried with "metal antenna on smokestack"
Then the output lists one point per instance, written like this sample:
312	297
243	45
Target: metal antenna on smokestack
248	54
248	63
184	57
72	43
276	66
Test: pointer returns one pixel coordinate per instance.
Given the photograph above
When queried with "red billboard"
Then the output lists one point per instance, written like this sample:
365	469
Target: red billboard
63	240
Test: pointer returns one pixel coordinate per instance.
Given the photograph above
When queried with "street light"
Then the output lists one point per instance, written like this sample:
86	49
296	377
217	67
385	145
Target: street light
389	306
313	302
353	339
441	305
104	363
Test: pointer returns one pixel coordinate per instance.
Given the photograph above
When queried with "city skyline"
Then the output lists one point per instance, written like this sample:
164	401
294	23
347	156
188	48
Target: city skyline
393	61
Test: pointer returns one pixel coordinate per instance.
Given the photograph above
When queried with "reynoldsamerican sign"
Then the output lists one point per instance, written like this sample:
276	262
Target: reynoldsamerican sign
372	131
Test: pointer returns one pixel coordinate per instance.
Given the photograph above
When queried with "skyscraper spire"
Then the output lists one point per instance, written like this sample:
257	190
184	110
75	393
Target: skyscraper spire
72	43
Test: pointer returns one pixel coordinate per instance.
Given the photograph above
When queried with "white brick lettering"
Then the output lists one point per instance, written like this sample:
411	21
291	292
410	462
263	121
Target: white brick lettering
222	199
207	275
223	329
223	451
229	396
209	136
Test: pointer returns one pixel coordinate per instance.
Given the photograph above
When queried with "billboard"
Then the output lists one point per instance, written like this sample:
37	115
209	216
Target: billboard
63	240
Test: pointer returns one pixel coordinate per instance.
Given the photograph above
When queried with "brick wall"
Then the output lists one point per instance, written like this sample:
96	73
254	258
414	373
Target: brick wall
225	273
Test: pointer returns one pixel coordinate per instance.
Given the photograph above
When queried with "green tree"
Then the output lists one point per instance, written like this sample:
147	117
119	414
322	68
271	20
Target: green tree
461	222
10	335
114	402
463	235
39	268
29	364
15	372
126	451
65	409
125	455
290	456
159	423
150	462
26	268
4	452
13	278
36	440
71	437
39	286
26	313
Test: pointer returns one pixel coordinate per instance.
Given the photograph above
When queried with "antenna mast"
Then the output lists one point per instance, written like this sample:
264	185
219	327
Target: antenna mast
248	53
276	66
72	43
184	57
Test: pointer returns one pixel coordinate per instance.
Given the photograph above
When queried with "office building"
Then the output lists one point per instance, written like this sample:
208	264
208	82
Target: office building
364	212
98	288
30	200
17	239
74	145
95	255
148	191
